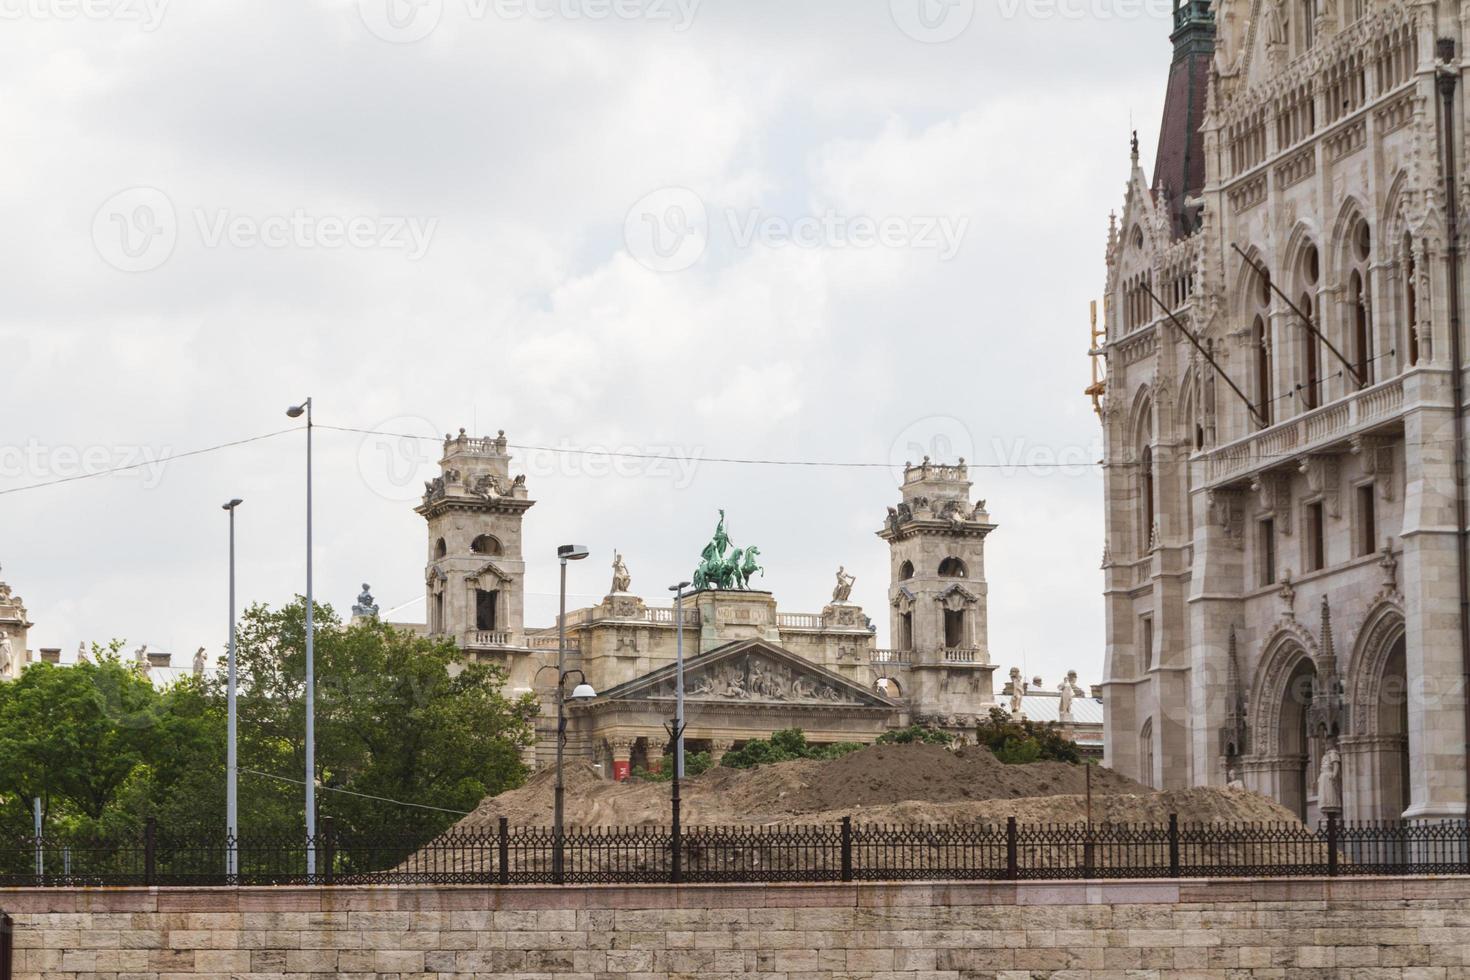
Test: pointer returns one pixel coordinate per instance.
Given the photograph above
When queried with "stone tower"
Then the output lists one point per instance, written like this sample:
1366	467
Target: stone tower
475	576
938	626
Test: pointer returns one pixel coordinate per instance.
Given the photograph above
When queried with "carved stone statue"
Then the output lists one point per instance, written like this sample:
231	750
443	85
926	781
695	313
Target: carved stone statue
365	606
7	654
1069	690
199	662
844	585
82	657
621	581
144	665
1233	780
1329	782
1018	691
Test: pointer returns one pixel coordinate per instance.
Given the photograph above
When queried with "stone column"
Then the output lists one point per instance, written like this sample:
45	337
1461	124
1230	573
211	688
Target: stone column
655	752
1217	581
622	755
718	748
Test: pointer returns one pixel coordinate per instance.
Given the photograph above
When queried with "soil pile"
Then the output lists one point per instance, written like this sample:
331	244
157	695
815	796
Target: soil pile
912	784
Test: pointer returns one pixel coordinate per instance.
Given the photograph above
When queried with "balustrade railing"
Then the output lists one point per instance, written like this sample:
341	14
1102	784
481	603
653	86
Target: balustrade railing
799	621
1304	433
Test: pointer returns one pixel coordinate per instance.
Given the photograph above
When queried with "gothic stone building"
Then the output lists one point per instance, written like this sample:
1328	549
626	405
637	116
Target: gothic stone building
1282	570
750	669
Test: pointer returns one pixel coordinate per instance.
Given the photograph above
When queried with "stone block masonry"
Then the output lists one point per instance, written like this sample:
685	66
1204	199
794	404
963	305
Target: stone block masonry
1364	929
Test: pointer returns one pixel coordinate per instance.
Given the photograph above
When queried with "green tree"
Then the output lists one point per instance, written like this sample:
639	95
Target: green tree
1024	741
916	733
783	746
73	736
397	716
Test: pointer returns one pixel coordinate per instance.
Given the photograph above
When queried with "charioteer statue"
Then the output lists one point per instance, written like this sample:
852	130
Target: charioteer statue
720	568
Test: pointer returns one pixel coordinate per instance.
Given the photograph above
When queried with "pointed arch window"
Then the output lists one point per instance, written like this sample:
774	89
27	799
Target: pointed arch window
1146	489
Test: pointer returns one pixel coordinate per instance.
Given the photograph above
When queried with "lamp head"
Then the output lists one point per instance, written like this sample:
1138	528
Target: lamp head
295	411
679	587
583	692
572	552
232	504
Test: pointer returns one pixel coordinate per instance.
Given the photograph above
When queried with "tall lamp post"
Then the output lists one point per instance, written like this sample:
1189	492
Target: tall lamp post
232	826
565	553
678	591
295	412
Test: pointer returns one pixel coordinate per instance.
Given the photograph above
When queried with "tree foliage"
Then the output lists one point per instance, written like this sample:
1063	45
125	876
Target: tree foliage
783	746
1023	741
397	716
916	733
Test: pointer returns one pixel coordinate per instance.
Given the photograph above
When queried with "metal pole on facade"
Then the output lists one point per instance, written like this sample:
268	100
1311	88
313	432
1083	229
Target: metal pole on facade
296	411
232	775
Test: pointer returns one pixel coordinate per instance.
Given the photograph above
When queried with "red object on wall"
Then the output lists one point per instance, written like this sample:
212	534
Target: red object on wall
622	770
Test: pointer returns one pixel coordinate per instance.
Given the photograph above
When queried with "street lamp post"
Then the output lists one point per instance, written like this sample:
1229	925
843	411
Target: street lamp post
678	591
295	412
232	826
566	553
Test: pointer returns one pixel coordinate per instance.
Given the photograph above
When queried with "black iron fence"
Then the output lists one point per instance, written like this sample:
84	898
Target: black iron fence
844	851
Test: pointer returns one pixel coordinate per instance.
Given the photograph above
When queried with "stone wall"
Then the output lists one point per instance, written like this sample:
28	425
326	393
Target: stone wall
1364	929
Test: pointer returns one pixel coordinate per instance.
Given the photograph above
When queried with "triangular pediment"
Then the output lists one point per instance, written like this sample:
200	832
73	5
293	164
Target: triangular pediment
751	671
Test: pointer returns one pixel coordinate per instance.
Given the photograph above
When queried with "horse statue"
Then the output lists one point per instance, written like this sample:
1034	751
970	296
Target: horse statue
745	572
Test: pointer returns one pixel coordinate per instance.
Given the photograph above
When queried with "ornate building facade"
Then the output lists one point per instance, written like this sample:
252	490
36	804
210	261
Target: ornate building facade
750	668
1283	546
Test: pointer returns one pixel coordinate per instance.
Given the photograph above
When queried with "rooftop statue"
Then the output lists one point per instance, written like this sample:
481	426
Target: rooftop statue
365	605
844	585
721	570
622	581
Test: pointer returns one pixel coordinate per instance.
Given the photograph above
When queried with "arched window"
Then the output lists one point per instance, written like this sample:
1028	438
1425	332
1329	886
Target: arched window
1411	301
1311	369
440	548
1146	490
952	568
486	544
906	571
1262	345
1362	341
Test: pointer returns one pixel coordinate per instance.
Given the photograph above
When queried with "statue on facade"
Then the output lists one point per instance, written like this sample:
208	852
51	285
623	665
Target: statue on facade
844	585
7	654
143	665
721	570
1329	781
1018	691
1069	690
1233	780
365	606
82	657
621	581
199	662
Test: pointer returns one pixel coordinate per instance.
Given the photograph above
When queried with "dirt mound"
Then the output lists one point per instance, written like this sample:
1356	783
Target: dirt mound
914	783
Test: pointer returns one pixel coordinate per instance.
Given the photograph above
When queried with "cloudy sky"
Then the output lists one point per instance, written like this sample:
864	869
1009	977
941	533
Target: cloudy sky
811	230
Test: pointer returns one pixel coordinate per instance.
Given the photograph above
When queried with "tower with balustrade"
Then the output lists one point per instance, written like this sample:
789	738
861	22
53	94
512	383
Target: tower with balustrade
939	656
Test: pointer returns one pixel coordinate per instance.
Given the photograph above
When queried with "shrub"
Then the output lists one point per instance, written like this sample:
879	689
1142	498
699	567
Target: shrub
1024	741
